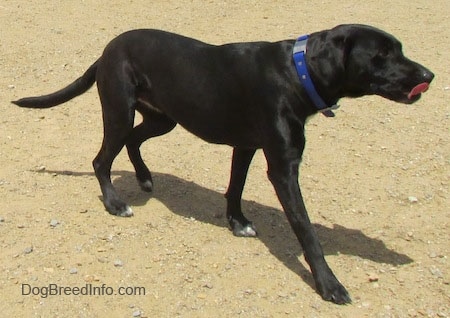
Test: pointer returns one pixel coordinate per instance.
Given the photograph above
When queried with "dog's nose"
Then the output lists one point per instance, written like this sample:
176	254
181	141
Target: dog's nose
428	76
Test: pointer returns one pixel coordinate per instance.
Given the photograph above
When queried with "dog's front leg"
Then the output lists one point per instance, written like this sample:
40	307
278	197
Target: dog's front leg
283	173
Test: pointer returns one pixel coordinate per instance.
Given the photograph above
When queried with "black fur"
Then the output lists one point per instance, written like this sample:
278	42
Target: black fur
246	95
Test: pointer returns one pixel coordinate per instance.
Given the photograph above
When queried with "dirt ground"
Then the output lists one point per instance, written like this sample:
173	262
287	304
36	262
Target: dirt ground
375	178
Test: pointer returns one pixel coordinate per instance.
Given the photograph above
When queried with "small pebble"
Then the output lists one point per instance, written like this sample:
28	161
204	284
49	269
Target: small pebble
373	277
137	313
73	270
436	272
409	236
54	223
28	250
365	304
118	263
2	219
202	296
248	291
413	199
315	305
91	278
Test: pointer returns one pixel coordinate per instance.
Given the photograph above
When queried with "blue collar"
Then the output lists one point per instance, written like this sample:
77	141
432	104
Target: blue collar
299	54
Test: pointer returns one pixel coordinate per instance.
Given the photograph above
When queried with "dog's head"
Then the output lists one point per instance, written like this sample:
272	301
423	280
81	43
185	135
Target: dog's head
371	62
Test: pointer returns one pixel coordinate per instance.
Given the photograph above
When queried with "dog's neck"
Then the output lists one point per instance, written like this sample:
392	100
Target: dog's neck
299	55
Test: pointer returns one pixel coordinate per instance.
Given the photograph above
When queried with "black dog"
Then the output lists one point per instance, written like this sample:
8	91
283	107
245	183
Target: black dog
246	95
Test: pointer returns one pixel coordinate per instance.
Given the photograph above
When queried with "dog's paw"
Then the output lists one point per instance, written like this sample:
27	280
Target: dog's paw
127	212
146	185
247	230
335	293
119	208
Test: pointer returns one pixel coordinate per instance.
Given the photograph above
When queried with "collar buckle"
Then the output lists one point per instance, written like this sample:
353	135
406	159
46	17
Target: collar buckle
300	44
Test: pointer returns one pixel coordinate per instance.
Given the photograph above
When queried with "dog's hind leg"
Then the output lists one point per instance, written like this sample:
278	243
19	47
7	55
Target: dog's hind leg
239	168
153	124
118	106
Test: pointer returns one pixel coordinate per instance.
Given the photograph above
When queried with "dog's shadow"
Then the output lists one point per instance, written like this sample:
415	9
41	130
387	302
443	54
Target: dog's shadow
191	200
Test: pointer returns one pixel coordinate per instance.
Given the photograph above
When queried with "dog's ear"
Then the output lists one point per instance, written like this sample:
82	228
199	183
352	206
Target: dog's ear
344	40
344	45
353	43
328	56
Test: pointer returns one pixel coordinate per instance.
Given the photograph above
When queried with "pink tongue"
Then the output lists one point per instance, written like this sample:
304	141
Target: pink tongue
421	88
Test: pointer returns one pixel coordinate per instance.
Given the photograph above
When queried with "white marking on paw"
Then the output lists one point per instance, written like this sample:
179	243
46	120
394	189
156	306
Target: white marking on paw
127	212
146	185
249	231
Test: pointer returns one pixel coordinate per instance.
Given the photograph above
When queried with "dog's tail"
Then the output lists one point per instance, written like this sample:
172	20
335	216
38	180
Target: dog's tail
78	87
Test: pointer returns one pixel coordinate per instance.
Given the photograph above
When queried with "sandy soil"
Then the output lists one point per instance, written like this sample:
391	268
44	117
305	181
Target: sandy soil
375	178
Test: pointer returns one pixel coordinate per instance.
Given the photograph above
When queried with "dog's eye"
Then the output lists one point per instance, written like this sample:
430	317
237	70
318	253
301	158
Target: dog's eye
384	52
